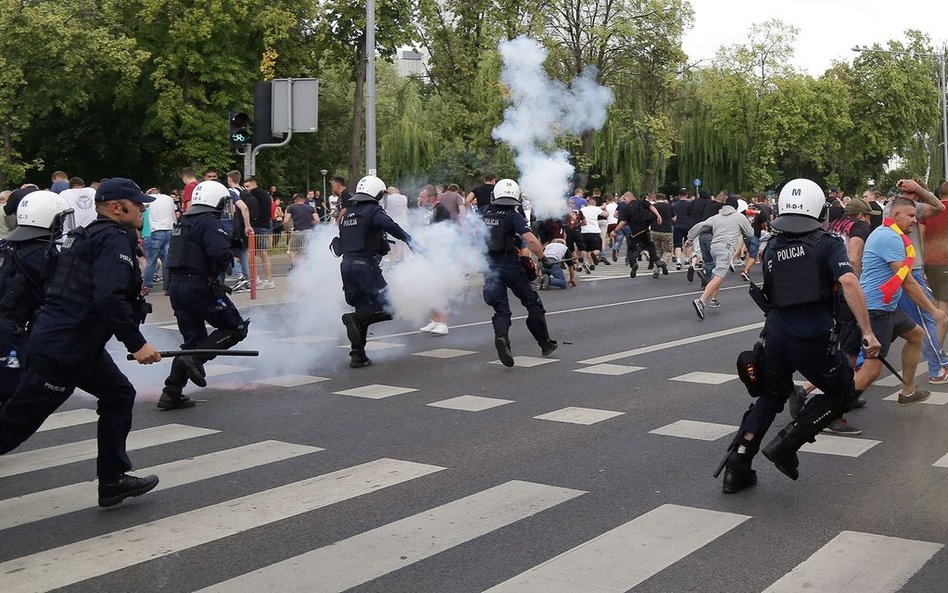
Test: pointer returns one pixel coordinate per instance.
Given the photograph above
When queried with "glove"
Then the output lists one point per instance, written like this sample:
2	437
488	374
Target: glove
529	267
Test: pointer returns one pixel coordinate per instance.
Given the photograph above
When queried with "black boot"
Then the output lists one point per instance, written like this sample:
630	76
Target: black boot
502	343
782	450
354	330
117	489
194	369
172	399
738	474
547	347
358	359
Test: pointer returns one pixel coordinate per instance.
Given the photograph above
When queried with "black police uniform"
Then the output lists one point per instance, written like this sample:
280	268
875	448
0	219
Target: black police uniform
505	227
800	280
94	293
22	289
362	244
198	255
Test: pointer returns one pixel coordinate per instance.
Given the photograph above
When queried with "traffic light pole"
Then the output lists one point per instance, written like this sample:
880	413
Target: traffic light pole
250	159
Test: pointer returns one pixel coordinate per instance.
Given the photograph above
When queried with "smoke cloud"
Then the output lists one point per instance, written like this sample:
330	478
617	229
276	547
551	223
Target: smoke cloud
542	111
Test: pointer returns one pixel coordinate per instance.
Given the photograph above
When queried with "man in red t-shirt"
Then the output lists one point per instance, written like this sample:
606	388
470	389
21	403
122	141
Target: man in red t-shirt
936	256
189	178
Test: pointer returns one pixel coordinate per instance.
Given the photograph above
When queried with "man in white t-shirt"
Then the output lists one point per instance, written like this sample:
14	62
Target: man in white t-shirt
161	219
592	237
82	201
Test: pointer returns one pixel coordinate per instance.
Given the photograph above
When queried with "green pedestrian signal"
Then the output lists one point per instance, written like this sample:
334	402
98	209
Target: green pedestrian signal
239	132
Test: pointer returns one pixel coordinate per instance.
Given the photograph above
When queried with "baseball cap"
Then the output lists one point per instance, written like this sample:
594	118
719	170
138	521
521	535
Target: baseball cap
858	206
119	188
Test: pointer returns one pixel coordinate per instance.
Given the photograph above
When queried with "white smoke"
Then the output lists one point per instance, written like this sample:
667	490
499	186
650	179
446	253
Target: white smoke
542	111
437	276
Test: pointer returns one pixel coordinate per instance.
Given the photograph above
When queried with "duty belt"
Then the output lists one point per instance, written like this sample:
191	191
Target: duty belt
190	276
361	260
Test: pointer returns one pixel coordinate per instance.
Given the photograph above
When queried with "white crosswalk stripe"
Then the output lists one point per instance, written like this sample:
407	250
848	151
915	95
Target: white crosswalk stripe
627	555
19	463
372	554
858	563
70	418
74	497
107	553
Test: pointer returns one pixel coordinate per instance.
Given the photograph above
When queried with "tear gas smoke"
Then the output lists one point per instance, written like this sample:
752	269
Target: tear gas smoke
542	111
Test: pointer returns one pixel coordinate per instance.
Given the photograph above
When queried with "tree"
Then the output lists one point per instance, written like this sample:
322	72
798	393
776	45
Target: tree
53	55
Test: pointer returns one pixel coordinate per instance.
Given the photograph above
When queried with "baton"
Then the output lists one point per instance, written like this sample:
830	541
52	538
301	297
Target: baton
891	368
202	352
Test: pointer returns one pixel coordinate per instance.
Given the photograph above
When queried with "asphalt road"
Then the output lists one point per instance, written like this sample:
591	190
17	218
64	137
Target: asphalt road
589	472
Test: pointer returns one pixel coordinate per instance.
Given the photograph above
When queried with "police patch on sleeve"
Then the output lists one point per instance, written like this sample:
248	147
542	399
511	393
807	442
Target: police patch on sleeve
125	259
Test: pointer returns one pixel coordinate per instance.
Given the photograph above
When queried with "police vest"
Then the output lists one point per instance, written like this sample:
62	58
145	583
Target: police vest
357	234
185	252
72	275
21	288
501	236
797	274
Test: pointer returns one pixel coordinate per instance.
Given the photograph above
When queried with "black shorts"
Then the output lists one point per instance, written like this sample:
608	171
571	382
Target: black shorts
574	240
679	236
592	241
888	325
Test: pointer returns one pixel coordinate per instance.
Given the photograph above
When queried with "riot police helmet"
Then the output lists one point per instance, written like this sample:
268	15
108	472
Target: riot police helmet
208	196
369	189
802	207
37	214
506	193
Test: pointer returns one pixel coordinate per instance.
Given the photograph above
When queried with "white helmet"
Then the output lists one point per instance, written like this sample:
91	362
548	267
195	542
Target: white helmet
208	196
36	215
802	207
369	189
741	205
506	193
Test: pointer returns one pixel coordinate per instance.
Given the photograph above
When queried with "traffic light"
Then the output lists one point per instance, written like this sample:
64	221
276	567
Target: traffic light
239	134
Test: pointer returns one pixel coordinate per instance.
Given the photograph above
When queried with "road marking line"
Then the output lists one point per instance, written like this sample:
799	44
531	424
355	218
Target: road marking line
573	415
672	344
70	418
470	403
76	562
692	429
704	378
858	563
620	559
76	497
375	391
375	553
19	463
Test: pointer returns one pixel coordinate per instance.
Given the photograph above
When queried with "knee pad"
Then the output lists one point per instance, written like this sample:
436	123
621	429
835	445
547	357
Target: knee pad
227	338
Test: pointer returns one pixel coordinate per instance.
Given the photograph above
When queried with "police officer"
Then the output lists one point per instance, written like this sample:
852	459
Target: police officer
94	293
507	232
23	258
198	255
803	266
362	243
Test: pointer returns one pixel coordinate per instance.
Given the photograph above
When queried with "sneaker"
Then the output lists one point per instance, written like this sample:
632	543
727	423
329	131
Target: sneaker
548	347
440	329
745	277
259	282
714	304
605	261
664	268
860	403
635	270
842	426
431	325
587	268
941	379
690	274
241	285
615	255
146	290
358	360
503	351
733	267
701	277
699	308
919	395
655	273
592	267
266	285
156	278
114	491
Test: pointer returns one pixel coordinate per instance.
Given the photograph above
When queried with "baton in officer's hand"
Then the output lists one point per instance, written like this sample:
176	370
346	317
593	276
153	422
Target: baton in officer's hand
203	352
865	344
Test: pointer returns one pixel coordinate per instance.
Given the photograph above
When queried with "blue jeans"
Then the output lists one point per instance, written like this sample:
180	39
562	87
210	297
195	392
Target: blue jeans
156	246
704	242
930	346
557	276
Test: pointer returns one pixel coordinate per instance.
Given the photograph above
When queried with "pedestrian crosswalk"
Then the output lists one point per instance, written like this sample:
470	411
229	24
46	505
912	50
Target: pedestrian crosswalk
635	545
